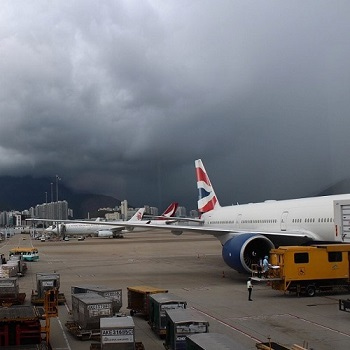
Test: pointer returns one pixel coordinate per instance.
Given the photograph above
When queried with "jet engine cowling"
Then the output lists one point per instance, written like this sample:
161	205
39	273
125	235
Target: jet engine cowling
242	251
105	233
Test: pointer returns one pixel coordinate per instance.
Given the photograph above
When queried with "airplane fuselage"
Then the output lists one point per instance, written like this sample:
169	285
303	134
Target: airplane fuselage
313	216
81	229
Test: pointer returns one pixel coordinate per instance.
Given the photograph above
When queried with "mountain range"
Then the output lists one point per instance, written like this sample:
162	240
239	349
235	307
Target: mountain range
21	193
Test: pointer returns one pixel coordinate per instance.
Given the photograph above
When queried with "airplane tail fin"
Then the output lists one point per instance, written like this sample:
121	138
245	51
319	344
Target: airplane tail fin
171	210
138	215
207	199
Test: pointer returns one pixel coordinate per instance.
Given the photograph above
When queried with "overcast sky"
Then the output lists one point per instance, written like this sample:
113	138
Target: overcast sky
120	97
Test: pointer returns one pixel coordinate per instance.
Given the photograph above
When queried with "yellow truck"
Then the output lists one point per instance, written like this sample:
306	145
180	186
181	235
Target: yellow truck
310	269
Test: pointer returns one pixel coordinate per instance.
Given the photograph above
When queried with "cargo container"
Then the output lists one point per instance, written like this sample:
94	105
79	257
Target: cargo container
179	324
88	308
159	303
19	326
117	333
110	293
8	270
21	265
9	286
46	281
138	300
212	341
309	269
9	292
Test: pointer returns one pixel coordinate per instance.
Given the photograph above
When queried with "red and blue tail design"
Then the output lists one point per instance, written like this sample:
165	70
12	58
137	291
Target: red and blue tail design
207	199
171	210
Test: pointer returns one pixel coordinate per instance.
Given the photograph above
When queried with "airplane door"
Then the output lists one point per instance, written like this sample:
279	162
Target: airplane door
284	221
238	220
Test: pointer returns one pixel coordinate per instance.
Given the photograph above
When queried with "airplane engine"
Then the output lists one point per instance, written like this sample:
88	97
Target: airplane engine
244	250
105	233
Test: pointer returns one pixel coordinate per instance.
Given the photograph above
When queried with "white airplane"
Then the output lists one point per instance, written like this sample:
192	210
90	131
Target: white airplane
99	228
247	232
107	229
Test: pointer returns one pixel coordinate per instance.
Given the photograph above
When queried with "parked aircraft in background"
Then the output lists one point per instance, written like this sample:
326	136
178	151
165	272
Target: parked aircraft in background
107	229
99	228
247	232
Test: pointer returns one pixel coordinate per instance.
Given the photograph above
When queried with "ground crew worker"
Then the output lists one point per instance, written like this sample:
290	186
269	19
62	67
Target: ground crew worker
265	266
250	288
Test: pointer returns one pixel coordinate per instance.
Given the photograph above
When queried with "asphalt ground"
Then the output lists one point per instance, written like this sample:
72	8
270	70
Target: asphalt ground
191	267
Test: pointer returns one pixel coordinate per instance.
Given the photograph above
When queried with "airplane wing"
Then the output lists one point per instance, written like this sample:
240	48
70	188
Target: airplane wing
278	238
215	231
294	237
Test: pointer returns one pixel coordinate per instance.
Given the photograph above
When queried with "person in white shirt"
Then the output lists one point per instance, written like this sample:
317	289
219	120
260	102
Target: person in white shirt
265	268
250	288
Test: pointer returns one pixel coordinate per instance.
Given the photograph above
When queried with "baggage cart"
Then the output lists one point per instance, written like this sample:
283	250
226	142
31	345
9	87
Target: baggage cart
138	301
117	332
46	281
88	309
181	323
19	264
9	292
82	334
19	326
110	293
159	303
7	300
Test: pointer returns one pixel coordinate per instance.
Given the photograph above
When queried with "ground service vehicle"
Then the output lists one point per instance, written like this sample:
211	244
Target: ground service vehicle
26	253
307	269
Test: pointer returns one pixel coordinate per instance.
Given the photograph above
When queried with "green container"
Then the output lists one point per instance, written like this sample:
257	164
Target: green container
158	305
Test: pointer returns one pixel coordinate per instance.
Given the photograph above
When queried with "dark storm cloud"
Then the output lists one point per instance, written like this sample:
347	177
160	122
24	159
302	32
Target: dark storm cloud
120	97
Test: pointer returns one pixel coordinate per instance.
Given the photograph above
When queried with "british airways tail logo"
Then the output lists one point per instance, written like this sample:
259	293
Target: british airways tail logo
207	198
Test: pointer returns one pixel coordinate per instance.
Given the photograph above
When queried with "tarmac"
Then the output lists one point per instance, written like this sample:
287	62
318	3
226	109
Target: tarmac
191	267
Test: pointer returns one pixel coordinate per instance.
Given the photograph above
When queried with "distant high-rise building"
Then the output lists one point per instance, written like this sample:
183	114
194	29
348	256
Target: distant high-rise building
181	211
54	210
153	211
194	213
124	209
